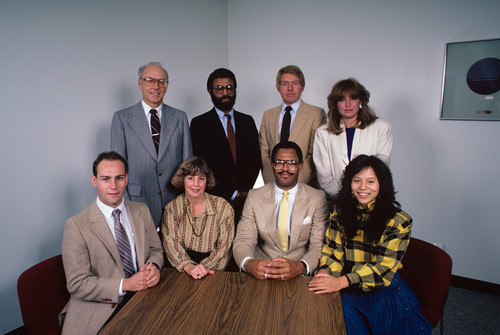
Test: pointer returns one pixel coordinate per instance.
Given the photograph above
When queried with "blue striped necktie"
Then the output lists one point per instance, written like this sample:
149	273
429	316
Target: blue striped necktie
123	244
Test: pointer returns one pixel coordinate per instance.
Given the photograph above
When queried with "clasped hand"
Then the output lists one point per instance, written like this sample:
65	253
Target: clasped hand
279	268
147	276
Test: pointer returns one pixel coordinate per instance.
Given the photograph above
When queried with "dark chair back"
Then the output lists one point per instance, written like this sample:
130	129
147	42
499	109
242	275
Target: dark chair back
427	270
42	296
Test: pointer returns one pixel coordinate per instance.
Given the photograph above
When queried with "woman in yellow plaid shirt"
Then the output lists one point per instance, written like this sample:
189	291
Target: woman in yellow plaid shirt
364	245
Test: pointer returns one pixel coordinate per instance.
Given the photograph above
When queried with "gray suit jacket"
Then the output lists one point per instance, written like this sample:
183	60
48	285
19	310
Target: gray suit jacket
93	266
257	237
149	173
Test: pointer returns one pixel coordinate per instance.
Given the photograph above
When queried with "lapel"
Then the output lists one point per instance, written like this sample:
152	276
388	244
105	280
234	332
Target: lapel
139	124
298	215
100	227
268	205
299	122
274	124
139	236
218	135
343	144
169	124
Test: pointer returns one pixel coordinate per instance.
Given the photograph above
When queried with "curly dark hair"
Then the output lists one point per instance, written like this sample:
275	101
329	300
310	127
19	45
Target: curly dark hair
386	205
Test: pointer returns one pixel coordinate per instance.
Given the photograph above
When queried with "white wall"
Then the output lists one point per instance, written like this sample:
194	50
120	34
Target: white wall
66	66
446	171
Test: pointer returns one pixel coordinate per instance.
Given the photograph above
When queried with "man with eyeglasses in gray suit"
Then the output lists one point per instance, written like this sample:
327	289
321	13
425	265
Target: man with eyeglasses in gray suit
154	138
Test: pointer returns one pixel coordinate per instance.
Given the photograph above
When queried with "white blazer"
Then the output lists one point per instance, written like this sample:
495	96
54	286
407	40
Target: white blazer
330	151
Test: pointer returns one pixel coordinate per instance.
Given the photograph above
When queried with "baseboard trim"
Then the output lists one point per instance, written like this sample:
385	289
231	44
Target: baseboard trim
475	285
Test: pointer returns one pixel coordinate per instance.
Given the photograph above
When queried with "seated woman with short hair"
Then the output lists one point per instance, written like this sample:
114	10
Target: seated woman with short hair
364	244
197	227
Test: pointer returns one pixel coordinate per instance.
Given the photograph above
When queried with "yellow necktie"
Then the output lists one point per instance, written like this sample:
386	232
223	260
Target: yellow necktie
283	222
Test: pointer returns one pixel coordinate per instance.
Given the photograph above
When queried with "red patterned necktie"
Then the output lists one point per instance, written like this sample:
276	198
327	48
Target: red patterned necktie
231	138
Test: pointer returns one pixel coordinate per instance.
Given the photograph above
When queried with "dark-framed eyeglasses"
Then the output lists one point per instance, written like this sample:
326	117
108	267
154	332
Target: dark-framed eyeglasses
279	164
148	81
220	88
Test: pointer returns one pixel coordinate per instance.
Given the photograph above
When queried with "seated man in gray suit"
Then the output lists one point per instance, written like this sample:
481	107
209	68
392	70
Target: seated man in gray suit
154	138
109	249
281	231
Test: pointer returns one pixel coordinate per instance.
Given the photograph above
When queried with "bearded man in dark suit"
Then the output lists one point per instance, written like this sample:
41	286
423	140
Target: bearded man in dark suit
228	141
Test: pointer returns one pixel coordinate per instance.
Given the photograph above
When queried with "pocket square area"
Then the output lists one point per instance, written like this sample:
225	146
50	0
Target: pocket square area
307	220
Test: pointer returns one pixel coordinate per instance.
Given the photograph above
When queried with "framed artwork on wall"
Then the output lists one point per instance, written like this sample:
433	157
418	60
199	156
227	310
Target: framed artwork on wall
471	81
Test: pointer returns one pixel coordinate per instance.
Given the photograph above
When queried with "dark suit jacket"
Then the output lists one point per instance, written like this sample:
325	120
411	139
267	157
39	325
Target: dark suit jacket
93	265
210	142
150	173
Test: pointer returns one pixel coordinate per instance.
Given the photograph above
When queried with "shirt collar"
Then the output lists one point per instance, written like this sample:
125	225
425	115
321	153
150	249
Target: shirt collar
369	207
208	209
108	210
221	113
147	108
295	106
291	192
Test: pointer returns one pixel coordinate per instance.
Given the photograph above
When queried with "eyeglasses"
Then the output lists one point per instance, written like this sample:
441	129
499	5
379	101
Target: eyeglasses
279	164
219	89
148	81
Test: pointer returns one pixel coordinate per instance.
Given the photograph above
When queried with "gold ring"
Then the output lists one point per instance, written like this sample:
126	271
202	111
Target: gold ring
281	277
265	275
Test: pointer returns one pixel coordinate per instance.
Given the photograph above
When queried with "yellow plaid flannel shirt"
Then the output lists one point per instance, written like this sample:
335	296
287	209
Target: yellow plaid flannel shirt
367	265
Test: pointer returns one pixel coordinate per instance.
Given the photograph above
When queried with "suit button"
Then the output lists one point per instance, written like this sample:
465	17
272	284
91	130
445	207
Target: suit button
160	174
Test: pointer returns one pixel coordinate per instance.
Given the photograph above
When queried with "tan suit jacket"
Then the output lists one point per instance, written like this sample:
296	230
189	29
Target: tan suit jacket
93	266
257	237
307	120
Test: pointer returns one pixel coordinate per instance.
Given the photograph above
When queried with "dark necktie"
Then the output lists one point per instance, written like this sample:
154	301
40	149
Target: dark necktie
155	128
123	245
285	125
231	138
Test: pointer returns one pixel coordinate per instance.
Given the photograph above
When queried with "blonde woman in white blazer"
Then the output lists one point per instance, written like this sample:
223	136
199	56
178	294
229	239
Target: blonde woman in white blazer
335	147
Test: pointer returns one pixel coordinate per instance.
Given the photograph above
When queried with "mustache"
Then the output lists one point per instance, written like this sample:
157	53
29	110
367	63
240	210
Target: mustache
289	172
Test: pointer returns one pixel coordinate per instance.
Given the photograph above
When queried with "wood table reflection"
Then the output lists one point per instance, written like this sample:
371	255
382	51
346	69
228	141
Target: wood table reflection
228	303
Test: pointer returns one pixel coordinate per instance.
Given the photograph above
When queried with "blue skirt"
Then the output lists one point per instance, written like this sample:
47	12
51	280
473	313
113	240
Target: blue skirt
392	309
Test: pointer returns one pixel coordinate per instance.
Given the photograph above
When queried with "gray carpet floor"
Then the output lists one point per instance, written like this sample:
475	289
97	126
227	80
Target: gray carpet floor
469	312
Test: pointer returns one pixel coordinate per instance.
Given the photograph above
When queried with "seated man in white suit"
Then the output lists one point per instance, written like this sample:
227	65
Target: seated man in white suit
281	231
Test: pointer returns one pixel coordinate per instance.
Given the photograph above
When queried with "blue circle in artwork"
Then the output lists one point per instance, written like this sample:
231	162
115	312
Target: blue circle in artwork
483	76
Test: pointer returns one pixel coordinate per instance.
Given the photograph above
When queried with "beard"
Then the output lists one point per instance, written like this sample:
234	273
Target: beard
224	106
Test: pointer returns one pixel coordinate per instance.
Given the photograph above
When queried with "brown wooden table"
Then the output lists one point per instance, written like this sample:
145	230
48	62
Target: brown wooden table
228	303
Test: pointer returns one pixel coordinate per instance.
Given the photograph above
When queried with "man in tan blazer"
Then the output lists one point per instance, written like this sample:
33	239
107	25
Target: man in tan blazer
303	120
95	267
261	247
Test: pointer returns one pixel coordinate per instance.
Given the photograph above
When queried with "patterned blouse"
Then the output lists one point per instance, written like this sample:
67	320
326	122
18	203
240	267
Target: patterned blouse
367	265
209	232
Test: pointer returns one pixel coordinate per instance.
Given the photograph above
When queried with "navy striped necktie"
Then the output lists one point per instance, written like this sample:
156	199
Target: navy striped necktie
123	244
155	128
